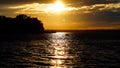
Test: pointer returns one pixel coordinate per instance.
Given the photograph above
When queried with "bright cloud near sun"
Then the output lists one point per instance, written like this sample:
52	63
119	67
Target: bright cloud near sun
57	7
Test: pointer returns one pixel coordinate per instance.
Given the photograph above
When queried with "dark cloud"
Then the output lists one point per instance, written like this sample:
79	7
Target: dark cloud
91	2
24	1
80	3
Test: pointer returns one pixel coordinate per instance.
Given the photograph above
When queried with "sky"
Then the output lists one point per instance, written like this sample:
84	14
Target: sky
67	14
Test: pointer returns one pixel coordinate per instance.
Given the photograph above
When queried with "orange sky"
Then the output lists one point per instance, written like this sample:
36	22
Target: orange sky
67	14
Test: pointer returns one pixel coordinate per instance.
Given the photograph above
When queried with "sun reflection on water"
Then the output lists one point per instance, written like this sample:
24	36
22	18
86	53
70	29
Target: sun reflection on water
59	50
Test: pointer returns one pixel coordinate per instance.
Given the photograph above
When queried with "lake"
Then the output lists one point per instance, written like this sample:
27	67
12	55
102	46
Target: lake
59	50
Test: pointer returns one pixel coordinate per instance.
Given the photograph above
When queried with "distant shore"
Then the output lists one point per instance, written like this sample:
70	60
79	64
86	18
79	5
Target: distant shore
101	30
81	34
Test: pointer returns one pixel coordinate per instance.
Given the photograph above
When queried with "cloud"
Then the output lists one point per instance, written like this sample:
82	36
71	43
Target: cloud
35	8
24	1
92	2
29	8
113	7
89	2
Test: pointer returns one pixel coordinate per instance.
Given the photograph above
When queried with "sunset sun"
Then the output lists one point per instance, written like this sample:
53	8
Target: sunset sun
57	7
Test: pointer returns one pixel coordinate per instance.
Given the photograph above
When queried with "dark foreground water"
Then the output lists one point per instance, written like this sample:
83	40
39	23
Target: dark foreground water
58	50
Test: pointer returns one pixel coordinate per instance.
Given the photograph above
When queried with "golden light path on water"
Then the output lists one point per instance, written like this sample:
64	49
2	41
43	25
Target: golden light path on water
59	50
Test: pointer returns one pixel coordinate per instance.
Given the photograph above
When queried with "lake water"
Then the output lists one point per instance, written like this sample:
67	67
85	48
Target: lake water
58	50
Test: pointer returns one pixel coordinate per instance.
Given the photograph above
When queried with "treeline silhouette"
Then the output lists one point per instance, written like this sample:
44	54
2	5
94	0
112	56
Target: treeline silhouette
21	24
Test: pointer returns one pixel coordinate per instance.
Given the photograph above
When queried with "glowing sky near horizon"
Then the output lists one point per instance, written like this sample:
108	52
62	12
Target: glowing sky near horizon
67	14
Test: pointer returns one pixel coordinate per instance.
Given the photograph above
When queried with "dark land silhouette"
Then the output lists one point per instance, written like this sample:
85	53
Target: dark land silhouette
20	24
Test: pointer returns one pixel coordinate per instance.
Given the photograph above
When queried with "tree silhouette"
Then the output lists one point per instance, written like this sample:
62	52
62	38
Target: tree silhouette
21	24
